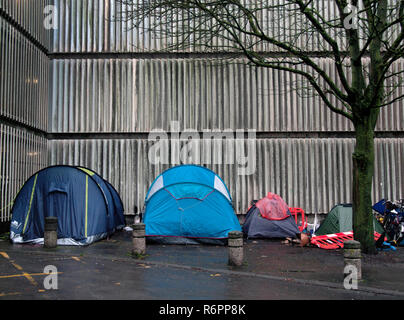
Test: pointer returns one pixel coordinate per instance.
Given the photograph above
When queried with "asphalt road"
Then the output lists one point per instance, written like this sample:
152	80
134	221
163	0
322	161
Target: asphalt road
23	276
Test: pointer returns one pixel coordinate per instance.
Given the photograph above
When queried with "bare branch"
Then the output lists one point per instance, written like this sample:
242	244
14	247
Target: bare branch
255	29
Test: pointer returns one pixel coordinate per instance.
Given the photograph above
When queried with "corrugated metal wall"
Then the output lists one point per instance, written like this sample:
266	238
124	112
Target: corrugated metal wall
124	95
94	26
311	173
24	80
24	96
29	15
139	95
100	111
22	154
100	26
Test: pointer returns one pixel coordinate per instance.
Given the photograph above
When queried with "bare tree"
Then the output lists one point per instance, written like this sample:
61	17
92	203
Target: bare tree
363	39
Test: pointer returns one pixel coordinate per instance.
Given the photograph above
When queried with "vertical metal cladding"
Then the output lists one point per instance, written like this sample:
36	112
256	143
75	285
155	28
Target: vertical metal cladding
24	79
389	169
24	95
29	15
22	154
314	174
93	26
139	95
142	95
113	96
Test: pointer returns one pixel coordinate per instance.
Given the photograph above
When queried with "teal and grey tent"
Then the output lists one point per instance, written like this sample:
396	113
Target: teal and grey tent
189	204
88	207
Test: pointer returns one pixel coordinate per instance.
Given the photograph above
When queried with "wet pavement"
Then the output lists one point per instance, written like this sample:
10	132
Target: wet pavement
106	270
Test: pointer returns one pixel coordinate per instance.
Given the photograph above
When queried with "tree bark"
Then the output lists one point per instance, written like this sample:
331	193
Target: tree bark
363	170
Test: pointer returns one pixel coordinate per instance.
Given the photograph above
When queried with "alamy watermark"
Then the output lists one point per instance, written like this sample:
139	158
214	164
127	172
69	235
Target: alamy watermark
351	20
51	280
351	277
233	147
51	18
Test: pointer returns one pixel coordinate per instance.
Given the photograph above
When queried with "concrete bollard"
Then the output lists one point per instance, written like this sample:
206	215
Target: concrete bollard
236	251
51	232
352	257
139	238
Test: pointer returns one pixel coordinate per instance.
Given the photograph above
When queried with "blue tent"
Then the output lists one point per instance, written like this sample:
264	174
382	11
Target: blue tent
88	208
189	204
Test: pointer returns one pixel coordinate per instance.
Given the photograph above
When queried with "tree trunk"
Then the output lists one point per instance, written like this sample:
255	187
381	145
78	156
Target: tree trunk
363	170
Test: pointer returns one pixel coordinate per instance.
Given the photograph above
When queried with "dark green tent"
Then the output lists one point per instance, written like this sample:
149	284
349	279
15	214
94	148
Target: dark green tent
339	219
